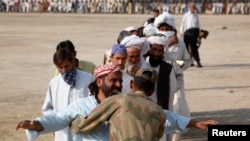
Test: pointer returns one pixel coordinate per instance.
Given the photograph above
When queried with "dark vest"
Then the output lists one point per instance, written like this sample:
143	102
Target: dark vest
163	86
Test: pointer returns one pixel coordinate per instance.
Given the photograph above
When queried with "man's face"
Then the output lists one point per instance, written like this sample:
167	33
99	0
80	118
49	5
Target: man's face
156	54
133	55
119	59
192	9
155	14
165	28
65	66
157	51
112	83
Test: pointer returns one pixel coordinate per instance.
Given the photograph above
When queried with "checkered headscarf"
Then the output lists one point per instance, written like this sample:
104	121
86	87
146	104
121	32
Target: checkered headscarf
70	77
105	69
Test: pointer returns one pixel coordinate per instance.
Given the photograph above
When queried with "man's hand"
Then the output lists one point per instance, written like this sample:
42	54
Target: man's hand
202	125
31	125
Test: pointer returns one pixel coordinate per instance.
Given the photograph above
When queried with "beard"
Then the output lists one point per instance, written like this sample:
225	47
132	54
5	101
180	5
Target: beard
154	61
110	91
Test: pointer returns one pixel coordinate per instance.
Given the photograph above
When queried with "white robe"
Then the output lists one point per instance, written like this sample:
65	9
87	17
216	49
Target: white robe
176	80
60	95
179	52
126	78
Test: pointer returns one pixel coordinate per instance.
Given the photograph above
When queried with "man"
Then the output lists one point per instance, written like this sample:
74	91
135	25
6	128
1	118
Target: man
165	17
170	79
83	65
170	75
131	29
177	50
142	43
108	79
190	30
118	58
70	85
156	13
131	116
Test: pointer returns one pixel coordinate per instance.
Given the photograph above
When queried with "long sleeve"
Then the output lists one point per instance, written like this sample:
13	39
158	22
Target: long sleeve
48	107
175	123
185	55
179	75
183	25
96	118
61	119
54	121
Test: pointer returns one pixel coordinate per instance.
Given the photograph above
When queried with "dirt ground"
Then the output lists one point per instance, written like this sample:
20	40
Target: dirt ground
218	91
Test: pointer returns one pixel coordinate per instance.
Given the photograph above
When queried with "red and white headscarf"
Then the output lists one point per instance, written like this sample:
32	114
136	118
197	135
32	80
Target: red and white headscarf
105	69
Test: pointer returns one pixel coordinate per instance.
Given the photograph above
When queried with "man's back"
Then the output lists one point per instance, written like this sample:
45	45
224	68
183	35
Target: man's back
137	118
130	117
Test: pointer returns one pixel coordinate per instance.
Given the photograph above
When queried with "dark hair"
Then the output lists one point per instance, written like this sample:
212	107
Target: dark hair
122	35
143	84
61	55
164	24
93	88
140	31
156	10
67	44
151	20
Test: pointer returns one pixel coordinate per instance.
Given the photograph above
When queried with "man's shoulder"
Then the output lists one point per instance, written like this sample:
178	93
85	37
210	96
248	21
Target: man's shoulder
84	74
86	100
55	78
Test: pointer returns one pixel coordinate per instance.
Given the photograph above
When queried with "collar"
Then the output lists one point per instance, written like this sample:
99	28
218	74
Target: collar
140	93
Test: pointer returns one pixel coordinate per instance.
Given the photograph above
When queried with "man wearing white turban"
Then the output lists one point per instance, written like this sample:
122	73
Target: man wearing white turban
165	17
178	51
170	74
140	43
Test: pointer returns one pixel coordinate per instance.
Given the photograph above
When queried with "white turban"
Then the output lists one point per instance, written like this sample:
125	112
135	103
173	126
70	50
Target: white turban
168	34
165	17
160	40
132	41
150	30
130	28
135	41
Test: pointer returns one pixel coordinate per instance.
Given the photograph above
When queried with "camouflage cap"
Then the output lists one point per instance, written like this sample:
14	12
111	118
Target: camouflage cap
147	74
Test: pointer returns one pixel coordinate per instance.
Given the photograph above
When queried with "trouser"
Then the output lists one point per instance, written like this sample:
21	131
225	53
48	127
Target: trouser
190	39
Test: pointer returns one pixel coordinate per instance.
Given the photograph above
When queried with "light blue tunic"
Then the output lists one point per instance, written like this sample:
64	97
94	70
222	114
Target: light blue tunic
82	107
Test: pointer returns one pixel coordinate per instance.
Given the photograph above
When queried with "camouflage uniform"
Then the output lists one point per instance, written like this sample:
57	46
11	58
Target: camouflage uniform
132	117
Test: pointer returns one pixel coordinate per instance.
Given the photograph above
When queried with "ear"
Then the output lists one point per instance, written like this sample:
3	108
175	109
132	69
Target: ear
99	82
132	85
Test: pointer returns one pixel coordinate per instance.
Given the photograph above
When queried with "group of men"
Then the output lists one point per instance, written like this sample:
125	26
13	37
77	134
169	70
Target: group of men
139	90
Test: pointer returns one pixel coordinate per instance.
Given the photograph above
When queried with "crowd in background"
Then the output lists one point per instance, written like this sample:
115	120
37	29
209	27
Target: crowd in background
125	6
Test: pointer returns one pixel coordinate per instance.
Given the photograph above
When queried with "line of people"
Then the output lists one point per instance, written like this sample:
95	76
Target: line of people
137	94
124	6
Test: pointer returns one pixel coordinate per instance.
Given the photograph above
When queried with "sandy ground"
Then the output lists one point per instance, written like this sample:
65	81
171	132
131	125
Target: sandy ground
218	91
